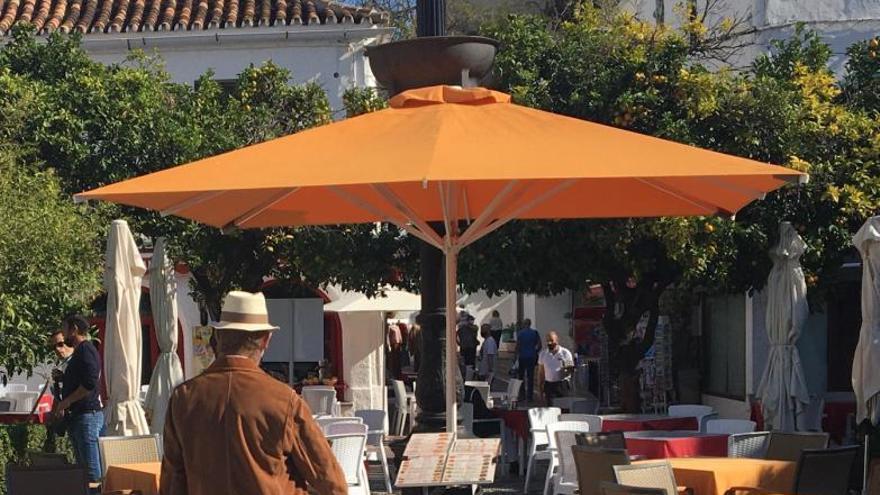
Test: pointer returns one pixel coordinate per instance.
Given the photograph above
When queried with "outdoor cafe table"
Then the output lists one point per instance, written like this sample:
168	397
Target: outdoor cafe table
640	422
714	475
143	476
669	444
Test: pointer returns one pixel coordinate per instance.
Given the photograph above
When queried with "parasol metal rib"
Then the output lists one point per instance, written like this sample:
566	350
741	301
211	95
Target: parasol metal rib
736	188
487	213
259	210
687	198
407	212
498	223
384	216
190	202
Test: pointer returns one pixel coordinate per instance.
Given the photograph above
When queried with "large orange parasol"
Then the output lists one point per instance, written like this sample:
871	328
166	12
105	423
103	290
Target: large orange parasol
460	156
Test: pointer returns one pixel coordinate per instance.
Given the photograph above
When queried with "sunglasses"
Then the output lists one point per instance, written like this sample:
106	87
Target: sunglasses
58	345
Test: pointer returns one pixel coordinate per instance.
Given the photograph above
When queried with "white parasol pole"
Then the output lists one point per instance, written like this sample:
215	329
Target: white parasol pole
451	255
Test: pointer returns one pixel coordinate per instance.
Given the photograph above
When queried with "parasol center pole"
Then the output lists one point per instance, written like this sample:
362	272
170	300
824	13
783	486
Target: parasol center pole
451	255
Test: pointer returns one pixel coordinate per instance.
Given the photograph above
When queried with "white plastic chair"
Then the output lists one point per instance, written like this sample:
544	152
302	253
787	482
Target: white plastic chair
16	387
594	421
24	401
345	428
539	418
405	408
349	452
565	481
375	419
325	422
321	399
553	429
698	411
730	426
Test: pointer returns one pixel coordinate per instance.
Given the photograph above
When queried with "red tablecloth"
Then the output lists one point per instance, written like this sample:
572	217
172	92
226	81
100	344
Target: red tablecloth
683	446
41	414
517	420
635	423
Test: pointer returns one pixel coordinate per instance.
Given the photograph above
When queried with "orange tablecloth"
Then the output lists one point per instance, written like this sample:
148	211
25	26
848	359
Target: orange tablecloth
714	475
143	476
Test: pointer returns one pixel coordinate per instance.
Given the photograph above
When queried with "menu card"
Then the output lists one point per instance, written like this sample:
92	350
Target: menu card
433	459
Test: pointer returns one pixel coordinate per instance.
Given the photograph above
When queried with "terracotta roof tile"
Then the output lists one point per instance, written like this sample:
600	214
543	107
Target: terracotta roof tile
114	16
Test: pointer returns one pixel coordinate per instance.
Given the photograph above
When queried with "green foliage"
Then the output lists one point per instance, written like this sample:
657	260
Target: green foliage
861	86
359	101
49	261
16	440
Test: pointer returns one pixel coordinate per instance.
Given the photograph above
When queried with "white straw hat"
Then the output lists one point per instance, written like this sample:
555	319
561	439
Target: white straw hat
244	311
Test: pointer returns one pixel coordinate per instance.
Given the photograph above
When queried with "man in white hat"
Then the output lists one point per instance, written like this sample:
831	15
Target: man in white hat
235	430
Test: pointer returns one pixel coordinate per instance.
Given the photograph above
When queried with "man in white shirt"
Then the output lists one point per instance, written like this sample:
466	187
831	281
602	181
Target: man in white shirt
557	362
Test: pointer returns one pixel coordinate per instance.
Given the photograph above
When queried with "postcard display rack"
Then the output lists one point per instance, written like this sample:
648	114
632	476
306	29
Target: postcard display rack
441	459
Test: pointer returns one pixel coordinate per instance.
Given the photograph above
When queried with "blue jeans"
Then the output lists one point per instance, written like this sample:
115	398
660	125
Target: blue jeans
84	430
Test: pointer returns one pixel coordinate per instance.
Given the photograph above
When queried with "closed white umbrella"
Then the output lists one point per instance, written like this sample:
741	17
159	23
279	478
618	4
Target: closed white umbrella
866	362
123	272
783	388
168	373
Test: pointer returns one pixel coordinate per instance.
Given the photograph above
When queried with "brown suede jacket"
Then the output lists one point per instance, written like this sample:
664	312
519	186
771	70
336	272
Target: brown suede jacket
235	430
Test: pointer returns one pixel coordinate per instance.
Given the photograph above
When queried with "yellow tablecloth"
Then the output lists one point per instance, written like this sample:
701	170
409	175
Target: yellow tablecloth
714	475
143	476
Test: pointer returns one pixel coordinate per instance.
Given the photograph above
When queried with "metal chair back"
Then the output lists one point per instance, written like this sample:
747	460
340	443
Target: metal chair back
42	480
787	446
615	489
648	475
751	445
602	439
595	466
730	426
128	450
825	471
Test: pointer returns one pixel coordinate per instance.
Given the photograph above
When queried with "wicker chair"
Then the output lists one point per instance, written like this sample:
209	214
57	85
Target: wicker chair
788	446
127	450
325	422
648	475
615	489
349	452
730	426
376	421
819	472
346	428
595	466
751	445
602	439
539	418
43	480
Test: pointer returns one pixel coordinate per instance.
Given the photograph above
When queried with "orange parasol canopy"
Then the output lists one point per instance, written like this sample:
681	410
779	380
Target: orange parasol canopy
448	154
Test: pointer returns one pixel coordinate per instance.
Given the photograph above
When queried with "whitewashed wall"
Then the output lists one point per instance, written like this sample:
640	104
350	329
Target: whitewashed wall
331	56
363	340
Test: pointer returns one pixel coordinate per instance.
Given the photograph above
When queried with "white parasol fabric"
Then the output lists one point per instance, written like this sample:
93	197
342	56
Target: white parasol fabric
866	362
783	388
389	300
168	373
123	272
